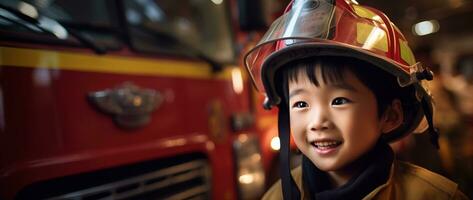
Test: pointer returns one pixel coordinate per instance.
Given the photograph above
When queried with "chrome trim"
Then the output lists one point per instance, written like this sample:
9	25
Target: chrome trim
151	181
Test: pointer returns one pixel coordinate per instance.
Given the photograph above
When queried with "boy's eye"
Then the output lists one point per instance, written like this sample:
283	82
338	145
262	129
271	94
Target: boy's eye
300	104
340	101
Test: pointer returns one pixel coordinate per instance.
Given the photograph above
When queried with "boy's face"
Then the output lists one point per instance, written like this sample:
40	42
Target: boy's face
333	124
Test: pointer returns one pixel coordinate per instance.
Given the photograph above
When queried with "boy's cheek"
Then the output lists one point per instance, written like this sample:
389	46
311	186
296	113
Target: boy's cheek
298	134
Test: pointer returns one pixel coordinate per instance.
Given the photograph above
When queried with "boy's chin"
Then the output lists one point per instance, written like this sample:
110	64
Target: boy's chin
327	166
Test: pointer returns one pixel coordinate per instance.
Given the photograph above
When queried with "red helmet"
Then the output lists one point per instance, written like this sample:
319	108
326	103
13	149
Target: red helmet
312	28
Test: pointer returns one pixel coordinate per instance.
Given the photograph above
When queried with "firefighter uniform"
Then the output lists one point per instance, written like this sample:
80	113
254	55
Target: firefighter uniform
406	182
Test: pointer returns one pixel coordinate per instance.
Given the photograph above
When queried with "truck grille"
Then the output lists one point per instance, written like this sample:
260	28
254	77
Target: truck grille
188	180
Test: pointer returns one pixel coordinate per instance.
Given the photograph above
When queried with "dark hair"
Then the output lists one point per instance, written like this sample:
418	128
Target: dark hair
383	85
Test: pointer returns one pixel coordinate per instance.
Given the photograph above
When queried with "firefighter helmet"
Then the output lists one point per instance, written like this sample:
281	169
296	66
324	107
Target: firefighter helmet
314	28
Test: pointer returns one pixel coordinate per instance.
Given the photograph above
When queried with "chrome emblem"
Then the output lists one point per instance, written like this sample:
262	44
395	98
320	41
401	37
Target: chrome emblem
129	105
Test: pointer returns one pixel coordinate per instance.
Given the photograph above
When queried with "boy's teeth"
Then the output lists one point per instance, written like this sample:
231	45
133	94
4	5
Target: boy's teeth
326	144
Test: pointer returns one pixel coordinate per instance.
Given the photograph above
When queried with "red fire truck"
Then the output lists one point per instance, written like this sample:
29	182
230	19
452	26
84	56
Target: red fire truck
128	99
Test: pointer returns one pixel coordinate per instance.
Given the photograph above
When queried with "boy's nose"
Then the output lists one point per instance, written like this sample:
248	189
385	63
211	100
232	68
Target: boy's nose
319	121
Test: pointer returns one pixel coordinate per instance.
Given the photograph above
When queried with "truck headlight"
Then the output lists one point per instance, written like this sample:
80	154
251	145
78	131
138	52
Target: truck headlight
250	171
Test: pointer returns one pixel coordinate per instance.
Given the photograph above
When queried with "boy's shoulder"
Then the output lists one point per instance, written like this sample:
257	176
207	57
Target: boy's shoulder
415	182
424	177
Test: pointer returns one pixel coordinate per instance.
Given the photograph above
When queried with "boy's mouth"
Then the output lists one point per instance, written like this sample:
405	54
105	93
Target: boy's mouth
325	145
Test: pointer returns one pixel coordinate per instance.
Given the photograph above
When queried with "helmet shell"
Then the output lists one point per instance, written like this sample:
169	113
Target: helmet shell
317	28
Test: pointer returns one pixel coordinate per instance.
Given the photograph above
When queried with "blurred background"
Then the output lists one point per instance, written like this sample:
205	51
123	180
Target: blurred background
149	99
441	35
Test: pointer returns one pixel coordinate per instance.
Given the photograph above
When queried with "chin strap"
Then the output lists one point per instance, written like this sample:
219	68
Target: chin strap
289	188
434	133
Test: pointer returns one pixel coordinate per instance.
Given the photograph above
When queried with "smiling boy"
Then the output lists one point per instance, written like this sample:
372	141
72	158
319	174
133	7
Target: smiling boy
327	119
344	94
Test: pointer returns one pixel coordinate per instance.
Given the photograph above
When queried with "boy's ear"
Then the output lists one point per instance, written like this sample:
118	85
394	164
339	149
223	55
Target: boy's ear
392	117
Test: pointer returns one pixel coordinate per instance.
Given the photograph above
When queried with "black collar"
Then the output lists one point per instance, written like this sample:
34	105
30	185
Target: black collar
376	164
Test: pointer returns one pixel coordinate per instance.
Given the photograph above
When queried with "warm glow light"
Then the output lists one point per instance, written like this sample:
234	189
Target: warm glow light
237	80
246	178
426	27
275	144
243	138
256	157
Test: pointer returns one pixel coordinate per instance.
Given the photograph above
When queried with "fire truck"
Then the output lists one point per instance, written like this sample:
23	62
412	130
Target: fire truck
130	99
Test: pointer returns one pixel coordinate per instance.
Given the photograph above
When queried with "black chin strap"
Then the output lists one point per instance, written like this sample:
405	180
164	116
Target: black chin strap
289	188
434	133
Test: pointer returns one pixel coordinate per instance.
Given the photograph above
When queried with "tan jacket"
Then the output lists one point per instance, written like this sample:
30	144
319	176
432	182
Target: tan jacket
406	182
